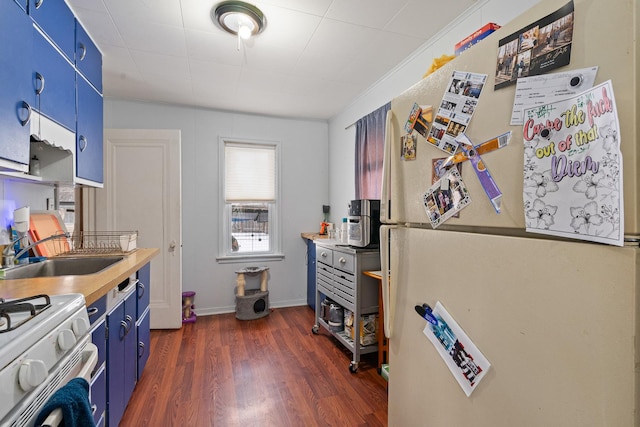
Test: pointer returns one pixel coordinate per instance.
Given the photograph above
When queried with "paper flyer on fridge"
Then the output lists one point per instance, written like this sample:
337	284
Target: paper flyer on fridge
573	168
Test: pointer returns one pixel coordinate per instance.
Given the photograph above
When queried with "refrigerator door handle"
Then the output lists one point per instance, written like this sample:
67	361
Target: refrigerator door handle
385	201
388	296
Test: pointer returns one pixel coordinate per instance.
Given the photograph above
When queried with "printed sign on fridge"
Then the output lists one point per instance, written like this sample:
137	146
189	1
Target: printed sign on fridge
573	168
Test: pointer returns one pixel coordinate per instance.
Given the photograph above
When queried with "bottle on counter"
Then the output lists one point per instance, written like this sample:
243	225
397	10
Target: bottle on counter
344	231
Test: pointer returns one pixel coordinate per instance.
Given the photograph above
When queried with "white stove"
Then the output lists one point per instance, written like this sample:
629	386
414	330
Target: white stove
42	343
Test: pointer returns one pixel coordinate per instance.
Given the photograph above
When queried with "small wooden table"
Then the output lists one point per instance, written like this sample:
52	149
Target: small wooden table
383	342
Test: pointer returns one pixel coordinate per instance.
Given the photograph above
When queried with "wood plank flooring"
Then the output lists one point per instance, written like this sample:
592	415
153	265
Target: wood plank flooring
273	371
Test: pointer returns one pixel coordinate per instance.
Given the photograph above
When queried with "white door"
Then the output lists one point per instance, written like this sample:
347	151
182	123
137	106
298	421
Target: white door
142	191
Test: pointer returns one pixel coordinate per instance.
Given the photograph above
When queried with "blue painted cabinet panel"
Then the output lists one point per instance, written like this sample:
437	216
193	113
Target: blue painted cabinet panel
88	58
89	132
16	88
311	273
121	358
56	20
55	79
144	341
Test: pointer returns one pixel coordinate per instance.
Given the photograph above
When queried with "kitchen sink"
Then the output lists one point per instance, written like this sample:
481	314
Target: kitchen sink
60	267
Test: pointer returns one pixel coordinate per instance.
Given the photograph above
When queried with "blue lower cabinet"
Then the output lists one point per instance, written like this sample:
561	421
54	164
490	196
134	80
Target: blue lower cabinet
144	341
99	394
311	273
122	358
99	338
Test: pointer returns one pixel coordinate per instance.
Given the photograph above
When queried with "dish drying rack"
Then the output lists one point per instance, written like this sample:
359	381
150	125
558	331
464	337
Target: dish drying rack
94	243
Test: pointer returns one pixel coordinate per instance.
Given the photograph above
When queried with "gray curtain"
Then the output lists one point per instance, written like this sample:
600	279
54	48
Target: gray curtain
370	152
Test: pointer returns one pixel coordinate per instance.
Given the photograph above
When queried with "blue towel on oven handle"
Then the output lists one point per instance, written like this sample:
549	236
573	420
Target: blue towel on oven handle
73	401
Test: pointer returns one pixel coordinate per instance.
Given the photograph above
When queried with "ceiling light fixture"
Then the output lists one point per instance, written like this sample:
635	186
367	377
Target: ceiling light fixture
239	18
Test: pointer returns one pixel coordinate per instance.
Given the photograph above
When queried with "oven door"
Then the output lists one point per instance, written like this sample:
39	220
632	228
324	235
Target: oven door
79	362
88	362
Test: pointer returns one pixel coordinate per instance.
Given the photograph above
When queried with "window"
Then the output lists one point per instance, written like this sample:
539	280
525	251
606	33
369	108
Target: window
249	174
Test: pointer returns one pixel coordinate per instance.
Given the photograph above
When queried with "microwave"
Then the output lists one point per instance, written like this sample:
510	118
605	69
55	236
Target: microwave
364	223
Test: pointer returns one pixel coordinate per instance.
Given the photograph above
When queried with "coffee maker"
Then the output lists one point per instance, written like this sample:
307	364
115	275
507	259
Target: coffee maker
364	223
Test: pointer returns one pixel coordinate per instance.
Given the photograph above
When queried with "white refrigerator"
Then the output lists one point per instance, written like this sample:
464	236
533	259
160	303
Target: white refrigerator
556	318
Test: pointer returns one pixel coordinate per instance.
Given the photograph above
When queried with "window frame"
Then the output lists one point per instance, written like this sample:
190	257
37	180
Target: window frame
225	254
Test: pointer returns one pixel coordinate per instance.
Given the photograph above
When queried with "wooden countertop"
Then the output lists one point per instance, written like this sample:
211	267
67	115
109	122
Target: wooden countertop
374	274
314	236
92	286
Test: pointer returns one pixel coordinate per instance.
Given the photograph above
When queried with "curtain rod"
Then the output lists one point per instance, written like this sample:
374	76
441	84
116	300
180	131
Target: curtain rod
352	124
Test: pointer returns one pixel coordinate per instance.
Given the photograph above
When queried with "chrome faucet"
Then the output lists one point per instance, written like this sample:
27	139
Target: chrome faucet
8	254
10	260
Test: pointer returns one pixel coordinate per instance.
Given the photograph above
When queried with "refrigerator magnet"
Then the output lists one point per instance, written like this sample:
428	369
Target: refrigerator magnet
466	363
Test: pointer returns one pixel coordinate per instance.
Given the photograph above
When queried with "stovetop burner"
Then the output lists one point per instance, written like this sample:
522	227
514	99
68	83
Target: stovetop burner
17	312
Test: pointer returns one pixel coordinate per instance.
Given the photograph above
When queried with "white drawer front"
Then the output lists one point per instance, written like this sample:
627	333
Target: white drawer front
344	261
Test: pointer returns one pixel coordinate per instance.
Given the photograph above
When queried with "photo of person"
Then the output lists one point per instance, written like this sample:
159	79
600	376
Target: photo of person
536	49
522	67
408	144
455	128
529	39
446	197
469	106
448	105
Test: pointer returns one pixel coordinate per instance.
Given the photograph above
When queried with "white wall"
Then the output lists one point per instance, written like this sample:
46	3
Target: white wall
405	75
304	188
16	193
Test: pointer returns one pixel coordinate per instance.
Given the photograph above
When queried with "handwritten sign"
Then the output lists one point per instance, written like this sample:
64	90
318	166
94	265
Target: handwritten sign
573	168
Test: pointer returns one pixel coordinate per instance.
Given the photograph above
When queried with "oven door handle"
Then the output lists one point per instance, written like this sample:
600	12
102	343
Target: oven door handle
89	359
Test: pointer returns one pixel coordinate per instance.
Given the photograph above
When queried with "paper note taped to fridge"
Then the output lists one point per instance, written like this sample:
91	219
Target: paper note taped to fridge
467	364
445	198
573	168
458	104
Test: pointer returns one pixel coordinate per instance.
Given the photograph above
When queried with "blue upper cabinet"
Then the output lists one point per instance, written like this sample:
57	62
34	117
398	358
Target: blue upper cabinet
23	4
56	20
88	58
16	88
89	157
54	80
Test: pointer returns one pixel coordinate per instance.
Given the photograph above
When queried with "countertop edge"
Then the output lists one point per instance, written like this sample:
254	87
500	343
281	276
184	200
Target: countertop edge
92	286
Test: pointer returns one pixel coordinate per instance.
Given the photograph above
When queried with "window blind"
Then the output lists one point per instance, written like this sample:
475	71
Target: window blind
250	172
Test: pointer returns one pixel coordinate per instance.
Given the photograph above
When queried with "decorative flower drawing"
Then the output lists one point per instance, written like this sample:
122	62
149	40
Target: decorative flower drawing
542	182
585	216
610	136
589	184
542	214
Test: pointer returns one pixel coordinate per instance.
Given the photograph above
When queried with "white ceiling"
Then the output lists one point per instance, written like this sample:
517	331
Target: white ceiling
311	61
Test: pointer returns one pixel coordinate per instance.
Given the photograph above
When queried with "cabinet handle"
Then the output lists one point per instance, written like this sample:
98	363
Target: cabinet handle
323	254
92	311
342	260
142	288
83	143
129	320
27	107
123	329
83	50
39	78
141	347
39	3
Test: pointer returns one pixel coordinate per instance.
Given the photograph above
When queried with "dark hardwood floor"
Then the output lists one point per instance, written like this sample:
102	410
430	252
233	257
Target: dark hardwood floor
273	371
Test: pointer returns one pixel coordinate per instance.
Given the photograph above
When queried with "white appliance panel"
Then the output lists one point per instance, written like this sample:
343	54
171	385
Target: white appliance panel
610	43
556	320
